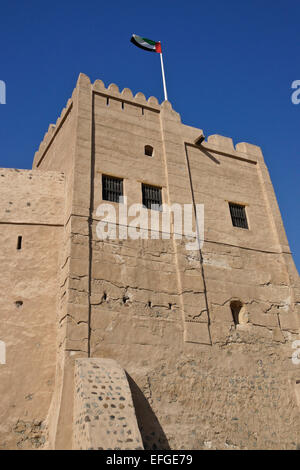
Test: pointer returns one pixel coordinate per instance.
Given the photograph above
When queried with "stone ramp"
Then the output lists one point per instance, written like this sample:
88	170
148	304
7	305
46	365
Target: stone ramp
104	414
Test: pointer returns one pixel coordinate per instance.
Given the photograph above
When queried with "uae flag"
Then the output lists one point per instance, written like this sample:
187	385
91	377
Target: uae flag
146	44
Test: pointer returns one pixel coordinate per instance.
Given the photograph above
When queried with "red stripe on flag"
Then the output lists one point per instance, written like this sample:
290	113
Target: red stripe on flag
158	47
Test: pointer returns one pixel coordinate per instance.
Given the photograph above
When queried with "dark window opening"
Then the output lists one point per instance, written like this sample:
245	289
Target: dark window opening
112	188
149	150
107	101
238	215
143	111
151	197
19	303
236	307
122	104
19	243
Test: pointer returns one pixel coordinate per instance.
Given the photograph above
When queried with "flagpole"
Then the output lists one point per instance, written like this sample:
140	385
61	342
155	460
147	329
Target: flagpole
163	76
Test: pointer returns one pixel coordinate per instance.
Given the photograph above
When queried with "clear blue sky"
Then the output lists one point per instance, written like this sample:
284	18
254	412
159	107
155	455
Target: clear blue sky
229	68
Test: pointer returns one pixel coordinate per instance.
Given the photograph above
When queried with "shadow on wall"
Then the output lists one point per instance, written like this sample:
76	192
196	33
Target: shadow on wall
151	431
209	155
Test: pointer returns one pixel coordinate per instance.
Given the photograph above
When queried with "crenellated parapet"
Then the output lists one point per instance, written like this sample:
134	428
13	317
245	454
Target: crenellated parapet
125	99
222	145
126	95
51	133
242	150
112	94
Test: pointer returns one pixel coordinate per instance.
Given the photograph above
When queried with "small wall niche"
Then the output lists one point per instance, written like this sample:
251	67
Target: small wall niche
149	150
19	303
238	311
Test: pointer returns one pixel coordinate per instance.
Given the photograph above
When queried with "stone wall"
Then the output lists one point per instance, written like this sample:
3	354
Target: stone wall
104	415
31	207
164	313
197	379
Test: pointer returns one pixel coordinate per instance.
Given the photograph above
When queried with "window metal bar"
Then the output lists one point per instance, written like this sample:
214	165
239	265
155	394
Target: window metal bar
151	196
238	215
112	188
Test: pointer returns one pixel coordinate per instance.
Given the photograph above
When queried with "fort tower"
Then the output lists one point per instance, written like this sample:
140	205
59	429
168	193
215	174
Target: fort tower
205	336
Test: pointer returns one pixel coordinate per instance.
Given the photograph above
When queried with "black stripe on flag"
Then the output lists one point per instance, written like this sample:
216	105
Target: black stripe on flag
139	45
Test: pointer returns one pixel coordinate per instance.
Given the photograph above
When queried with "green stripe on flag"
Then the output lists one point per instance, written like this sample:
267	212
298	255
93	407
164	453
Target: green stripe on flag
149	41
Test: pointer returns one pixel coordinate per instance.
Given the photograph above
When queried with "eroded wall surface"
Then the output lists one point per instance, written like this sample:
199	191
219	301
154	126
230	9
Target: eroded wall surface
197	379
163	312
31	207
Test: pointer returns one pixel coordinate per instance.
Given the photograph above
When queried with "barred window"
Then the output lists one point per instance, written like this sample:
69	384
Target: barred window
151	196
112	188
238	215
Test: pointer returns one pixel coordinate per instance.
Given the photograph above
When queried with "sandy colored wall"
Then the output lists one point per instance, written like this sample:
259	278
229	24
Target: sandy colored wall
162	312
104	414
148	298
32	205
57	148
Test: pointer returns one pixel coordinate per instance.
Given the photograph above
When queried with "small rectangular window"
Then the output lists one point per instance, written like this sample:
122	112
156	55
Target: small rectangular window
112	188
19	243
151	196
238	215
